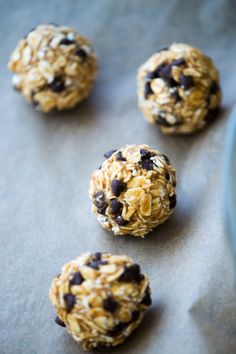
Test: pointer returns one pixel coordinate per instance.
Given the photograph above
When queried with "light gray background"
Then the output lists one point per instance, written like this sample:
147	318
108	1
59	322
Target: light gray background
46	162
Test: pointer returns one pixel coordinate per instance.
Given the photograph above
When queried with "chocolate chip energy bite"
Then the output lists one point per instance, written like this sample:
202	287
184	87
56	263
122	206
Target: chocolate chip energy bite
100	298
133	191
54	67
178	88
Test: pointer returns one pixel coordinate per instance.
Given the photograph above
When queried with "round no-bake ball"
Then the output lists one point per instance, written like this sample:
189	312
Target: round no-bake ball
54	67
178	88
100	298
133	191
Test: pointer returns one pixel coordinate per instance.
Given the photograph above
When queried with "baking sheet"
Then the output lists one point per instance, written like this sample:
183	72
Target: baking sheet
46	162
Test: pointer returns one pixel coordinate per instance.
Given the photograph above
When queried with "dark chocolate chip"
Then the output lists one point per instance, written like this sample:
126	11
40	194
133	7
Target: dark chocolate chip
119	156
97	256
117	329
77	279
102	210
67	41
82	54
173	201
178	62
151	75
172	83
145	154
120	221
165	71
214	88
161	121
176	96
167	176
166	158
131	273
147	297
147	90
69	301
99	199
211	115
110	305
117	187
57	85
147	165
116	206
186	81
135	315
109	153
59	322
95	264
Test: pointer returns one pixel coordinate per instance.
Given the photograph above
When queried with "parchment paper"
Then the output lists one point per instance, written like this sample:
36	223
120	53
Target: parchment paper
46	162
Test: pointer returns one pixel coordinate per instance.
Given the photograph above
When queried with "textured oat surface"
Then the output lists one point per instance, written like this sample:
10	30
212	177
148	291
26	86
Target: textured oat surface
100	298
134	190
178	88
47	161
54	67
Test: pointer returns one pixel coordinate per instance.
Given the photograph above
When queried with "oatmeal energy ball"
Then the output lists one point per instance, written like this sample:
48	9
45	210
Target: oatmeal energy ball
133	191
100	298
178	88
54	67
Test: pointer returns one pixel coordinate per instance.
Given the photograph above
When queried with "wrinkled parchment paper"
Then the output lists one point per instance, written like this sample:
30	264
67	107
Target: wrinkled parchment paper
46	162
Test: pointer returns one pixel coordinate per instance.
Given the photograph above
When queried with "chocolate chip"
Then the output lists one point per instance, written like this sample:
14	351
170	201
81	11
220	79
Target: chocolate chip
178	62
117	329
81	53
147	165
165	71
110	305
109	153
116	206
172	83
119	156
176	96
57	85
167	176
102	210
99	199
186	81
211	115
151	75
166	158
122	325
97	256
95	264
161	121
120	221
147	297
145	154
135	315
67	41
131	273
77	279
147	90
214	88
173	201
117	187
69	301
59	322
